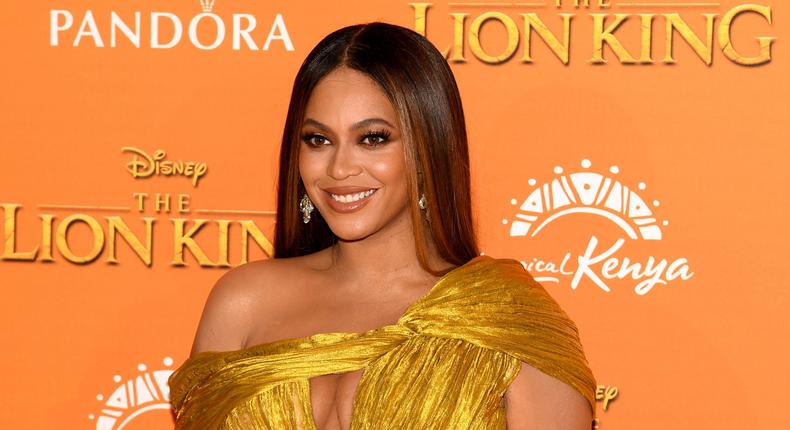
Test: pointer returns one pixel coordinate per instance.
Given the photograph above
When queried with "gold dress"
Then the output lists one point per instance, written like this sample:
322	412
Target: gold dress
445	364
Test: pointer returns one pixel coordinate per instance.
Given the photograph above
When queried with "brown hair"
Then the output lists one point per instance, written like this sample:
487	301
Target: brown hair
422	89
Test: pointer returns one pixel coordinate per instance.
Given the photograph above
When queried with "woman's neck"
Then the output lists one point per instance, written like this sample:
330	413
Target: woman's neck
388	254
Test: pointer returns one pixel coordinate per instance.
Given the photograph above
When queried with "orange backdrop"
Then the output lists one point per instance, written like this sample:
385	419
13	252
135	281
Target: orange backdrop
649	198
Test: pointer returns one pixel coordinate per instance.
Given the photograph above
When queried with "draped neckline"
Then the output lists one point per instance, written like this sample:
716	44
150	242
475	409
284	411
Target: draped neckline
484	306
347	334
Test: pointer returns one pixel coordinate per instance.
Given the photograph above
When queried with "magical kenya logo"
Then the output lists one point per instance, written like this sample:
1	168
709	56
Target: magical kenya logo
603	195
134	397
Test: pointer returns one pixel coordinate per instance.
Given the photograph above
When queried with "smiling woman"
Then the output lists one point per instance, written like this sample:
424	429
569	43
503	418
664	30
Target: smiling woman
377	311
355	96
348	165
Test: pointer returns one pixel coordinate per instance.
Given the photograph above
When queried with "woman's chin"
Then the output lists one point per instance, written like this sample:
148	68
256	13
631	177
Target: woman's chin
361	225
350	232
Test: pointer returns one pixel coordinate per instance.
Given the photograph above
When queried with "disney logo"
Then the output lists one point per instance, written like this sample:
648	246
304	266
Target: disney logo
149	165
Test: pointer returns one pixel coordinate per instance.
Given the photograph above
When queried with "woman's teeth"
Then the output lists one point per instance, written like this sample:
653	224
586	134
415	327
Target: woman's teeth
349	198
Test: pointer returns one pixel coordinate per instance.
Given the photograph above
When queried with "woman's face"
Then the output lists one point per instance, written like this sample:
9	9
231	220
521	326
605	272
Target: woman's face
351	157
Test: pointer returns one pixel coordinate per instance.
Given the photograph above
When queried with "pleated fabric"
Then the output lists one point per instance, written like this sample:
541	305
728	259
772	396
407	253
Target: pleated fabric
445	364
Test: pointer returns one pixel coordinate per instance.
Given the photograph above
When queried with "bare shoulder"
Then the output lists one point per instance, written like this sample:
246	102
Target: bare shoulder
537	400
237	299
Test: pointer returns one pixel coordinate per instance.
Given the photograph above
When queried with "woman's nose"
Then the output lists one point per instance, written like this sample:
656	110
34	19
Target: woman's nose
344	162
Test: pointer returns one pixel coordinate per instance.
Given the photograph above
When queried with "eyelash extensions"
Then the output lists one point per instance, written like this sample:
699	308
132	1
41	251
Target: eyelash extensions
381	134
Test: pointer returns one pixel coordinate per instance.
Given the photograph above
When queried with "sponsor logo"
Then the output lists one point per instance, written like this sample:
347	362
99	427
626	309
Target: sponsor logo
603	195
130	399
166	30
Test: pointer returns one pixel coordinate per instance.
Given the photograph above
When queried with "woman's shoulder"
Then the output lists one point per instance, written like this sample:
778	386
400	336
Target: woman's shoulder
240	297
517	284
501	297
496	271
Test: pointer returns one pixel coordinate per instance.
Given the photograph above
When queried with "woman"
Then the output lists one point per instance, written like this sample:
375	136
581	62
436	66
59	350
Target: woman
377	310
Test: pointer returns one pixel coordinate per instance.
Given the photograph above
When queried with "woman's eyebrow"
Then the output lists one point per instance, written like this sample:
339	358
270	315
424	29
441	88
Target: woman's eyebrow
360	124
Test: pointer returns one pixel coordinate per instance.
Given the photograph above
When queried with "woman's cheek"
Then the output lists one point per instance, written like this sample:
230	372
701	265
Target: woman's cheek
391	172
310	166
390	164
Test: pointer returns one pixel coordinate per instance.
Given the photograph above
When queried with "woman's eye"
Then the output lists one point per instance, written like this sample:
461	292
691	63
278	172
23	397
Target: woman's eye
314	139
371	139
376	138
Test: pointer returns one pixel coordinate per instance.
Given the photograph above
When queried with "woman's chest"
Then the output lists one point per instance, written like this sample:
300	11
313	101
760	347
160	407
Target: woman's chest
332	399
417	382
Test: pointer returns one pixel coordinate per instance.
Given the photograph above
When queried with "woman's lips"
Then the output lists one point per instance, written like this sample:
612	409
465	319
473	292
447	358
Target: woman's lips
348	199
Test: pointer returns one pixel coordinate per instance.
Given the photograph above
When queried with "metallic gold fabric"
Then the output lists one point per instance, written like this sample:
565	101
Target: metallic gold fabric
445	364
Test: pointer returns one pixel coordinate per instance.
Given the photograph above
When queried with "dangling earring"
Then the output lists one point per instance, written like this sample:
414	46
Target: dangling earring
306	207
423	204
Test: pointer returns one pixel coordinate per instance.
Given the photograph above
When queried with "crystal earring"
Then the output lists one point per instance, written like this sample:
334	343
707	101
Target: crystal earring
306	207
422	202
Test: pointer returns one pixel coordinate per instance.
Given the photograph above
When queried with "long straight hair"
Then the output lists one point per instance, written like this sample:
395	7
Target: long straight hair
422	89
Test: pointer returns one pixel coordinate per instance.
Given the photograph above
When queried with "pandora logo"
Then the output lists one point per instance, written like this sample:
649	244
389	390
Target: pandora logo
165	30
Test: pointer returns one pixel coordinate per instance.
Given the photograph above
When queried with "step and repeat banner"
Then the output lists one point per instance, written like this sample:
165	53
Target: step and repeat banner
633	155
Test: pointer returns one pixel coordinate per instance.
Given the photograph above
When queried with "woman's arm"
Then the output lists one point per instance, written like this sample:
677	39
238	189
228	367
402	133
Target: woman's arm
535	400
